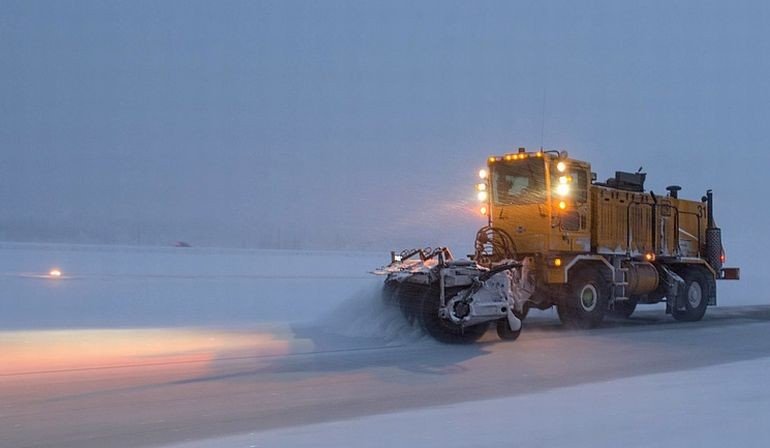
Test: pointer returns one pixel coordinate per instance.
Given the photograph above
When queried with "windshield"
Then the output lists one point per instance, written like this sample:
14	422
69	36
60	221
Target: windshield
519	182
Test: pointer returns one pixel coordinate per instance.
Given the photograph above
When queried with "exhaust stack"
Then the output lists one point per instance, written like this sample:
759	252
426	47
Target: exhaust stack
713	249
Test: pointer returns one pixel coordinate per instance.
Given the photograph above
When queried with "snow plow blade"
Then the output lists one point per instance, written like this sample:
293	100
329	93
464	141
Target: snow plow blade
453	300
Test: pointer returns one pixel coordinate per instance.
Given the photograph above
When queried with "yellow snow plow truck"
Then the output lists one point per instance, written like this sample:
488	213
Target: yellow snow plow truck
557	237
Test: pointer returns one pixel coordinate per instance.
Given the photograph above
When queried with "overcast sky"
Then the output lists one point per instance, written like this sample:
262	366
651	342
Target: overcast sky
357	124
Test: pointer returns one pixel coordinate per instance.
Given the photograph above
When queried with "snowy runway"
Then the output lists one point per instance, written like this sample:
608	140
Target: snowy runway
120	358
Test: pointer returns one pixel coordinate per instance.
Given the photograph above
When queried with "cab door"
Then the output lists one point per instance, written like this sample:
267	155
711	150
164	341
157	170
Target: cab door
570	206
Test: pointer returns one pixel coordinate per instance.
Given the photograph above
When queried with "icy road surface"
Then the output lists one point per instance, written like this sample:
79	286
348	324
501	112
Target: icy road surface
136	347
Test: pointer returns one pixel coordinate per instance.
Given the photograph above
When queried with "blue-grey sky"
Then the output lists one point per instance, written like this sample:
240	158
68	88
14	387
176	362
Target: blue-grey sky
362	124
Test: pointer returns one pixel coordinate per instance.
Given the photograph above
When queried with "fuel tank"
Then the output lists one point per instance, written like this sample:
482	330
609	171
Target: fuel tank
642	277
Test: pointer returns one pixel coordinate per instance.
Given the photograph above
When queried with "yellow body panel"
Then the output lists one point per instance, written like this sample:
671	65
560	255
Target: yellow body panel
593	218
623	224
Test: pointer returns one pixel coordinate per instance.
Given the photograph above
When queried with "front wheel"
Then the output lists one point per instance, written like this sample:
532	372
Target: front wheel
693	296
586	301
444	330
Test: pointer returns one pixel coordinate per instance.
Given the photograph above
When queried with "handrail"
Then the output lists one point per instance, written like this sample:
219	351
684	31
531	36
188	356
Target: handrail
698	215
628	226
653	207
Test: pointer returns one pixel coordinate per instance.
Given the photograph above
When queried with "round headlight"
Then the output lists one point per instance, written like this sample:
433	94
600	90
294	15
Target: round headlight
483	174
482	196
561	166
562	189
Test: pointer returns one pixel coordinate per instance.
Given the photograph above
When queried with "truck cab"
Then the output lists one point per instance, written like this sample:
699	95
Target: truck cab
542	200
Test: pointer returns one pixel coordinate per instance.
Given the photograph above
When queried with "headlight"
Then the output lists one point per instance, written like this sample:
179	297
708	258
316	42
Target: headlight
482	196
483	174
562	189
481	187
561	166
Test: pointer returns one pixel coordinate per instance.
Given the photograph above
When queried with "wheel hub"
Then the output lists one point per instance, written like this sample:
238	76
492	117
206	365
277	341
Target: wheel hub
694	294
588	297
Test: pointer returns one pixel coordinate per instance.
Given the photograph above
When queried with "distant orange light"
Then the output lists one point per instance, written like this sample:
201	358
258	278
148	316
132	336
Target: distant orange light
562	205
492	159
483	211
54	273
649	256
557	262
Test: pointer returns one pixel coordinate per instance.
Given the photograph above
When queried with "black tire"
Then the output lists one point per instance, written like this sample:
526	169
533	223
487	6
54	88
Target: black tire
444	330
694	296
504	331
586	301
624	308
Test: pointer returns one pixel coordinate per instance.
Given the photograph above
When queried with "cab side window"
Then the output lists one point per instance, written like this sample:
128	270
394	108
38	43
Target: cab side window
580	184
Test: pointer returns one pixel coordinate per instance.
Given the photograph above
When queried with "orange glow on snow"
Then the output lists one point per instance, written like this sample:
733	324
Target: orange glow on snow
55	350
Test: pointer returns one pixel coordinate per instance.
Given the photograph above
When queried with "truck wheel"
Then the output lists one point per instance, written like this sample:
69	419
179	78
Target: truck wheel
586	301
694	296
624	308
504	330
444	330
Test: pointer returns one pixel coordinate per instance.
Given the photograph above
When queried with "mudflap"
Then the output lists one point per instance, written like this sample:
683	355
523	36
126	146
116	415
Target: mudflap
672	284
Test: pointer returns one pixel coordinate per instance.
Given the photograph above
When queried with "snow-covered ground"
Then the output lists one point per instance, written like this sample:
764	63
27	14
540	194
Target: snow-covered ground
116	286
257	339
718	406
124	286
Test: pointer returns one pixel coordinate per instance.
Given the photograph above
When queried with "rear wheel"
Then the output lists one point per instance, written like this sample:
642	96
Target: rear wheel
586	300
694	296
444	330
